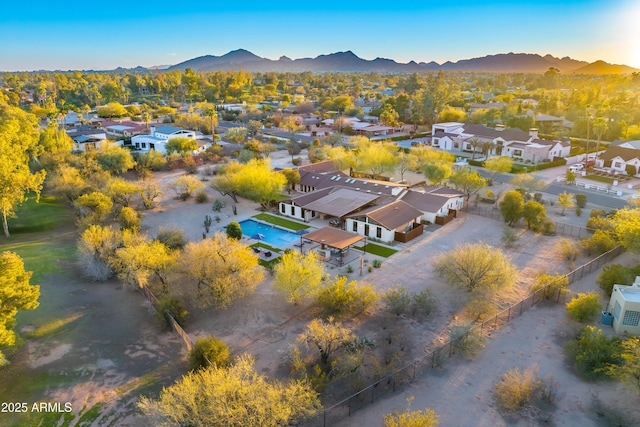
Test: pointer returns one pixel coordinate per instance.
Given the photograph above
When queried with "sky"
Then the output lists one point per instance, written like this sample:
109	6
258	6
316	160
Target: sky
101	35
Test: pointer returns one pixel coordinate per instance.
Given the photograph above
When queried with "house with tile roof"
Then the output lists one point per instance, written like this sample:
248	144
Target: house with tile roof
515	143
386	222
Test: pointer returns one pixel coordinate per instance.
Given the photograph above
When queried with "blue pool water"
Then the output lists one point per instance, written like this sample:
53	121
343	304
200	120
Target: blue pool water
272	235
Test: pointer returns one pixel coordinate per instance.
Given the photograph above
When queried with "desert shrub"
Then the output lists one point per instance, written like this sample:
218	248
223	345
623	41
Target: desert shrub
518	391
201	197
568	249
423	304
578	212
397	300
347	298
234	231
610	416
218	205
208	348
581	200
173	306
596	213
466	342
601	242
552	286
130	219
548	227
480	308
509	237
599	223
584	308
591	353
376	263
614	274
409	418
172	238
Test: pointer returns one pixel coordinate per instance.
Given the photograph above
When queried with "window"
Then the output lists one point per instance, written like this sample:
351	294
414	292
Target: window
283	208
617	165
293	210
616	310
631	318
144	145
366	229
379	232
355	226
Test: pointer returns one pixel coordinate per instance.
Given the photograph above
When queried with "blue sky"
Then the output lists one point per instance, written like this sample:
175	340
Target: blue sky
84	35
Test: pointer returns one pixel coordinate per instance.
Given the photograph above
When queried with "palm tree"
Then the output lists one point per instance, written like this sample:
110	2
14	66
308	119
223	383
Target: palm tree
600	127
213	116
474	143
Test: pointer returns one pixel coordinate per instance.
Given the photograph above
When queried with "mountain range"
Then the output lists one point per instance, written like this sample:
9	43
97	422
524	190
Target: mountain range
348	61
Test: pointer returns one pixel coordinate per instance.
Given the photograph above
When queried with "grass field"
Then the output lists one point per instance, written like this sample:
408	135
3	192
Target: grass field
32	217
374	249
599	178
271	219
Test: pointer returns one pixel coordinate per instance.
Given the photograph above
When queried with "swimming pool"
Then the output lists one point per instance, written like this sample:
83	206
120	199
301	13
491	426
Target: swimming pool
272	235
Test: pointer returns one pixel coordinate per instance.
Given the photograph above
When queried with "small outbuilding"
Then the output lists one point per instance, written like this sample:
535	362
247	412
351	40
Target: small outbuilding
625	306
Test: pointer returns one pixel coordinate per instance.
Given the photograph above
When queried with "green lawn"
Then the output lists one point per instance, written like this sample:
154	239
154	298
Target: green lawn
374	249
271	219
265	246
599	178
272	262
32	217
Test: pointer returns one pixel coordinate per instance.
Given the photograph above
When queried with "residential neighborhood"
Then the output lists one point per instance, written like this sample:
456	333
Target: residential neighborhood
339	243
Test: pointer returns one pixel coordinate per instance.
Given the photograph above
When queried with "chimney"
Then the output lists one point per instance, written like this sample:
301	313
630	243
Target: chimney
533	132
153	130
499	128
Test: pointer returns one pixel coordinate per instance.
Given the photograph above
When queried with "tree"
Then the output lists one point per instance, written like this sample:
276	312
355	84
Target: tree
600	242
614	274
185	185
565	201
497	165
255	181
152	160
467	180
210	112
237	135
18	145
511	207
96	246
344	297
234	231
627	228
599	127
16	293
115	159
293	178
208	350
298	276
149	192
628	370
570	177
405	163
94	208
222	269
475	143
327	337
375	158
290	124
534	214
409	418
122	191
584	307
527	182
112	109
476	267
137	260
436	171
389	116
181	145
236	396
592	353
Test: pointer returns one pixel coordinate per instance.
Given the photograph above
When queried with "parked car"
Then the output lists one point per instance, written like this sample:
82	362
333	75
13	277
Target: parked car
577	167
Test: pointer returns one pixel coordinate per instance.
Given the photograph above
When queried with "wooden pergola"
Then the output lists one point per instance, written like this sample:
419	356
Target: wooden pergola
333	238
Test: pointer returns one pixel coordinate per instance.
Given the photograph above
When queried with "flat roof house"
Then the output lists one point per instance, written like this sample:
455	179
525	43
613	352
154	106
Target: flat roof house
625	306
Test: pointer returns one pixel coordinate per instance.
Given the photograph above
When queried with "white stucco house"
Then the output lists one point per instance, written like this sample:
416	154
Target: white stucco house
625	307
620	159
381	223
159	137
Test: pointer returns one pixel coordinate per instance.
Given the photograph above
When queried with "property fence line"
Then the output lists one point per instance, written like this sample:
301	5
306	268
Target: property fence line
438	356
184	336
493	212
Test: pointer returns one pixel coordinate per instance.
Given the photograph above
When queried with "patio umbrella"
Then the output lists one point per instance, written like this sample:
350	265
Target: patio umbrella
301	232
258	236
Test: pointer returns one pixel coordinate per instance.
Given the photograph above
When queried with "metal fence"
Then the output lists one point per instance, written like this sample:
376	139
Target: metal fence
186	339
594	264
493	212
441	354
